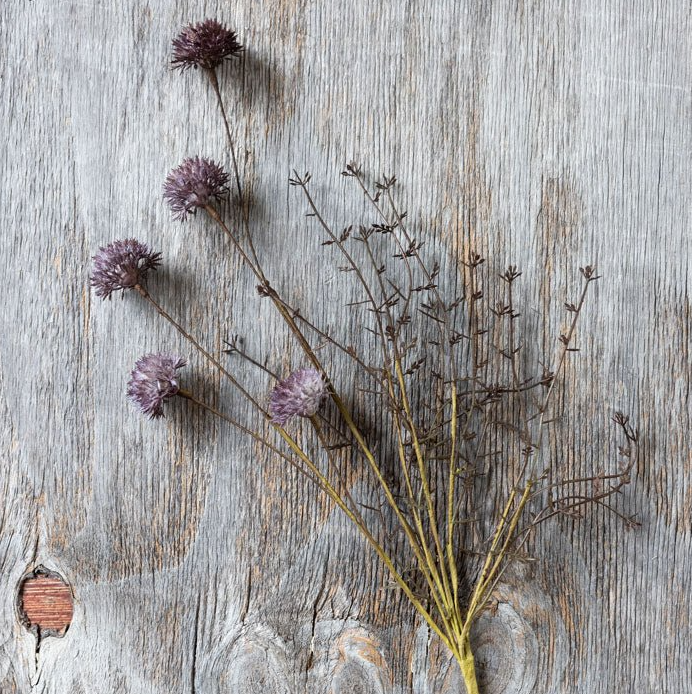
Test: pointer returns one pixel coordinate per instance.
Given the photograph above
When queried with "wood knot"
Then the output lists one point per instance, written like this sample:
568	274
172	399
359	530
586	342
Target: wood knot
44	603
506	650
361	666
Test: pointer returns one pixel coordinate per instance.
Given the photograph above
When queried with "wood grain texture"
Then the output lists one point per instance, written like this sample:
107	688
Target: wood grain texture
549	134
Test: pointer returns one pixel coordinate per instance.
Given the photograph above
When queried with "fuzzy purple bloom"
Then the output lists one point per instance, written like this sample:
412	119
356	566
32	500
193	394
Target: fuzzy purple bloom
197	182
204	45
154	380
122	265
298	396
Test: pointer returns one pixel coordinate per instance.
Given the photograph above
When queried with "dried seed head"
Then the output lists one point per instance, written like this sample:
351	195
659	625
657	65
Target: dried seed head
204	45
152	381
195	183
122	265
297	396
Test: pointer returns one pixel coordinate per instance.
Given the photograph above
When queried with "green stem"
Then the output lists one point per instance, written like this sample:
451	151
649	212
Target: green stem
468	667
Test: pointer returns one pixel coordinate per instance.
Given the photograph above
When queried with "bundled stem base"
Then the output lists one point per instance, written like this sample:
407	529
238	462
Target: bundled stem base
468	667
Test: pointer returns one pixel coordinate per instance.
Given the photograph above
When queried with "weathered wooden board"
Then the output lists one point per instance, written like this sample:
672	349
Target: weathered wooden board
548	133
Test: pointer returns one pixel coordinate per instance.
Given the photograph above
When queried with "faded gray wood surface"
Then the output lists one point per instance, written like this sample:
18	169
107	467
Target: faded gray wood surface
549	134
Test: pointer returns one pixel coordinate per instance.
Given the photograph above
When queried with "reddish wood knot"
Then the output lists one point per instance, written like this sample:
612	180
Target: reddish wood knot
45	603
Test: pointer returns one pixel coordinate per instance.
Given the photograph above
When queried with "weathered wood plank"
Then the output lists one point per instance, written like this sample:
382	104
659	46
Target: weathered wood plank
549	134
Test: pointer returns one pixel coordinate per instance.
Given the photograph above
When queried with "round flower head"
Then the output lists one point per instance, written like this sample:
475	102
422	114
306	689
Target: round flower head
204	45
154	380
122	265
195	183
297	396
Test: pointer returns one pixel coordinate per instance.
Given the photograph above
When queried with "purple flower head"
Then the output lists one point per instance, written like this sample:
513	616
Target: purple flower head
195	183
154	380
122	265
204	45
299	395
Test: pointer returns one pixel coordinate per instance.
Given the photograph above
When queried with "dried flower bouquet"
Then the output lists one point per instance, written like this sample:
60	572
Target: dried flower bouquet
446	390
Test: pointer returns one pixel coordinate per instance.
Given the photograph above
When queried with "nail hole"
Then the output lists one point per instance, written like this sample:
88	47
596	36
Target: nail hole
45	603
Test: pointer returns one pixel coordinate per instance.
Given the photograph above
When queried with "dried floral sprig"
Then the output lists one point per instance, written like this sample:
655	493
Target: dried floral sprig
196	183
153	381
442	390
122	265
204	45
299	395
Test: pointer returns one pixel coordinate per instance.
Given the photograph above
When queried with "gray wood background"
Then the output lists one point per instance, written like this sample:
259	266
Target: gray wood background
546	133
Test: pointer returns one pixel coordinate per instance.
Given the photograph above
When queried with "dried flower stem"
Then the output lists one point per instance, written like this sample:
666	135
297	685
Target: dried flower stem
435	579
589	275
244	204
565	340
187	395
437	574
234	349
288	318
418	545
445	339
495	556
325	484
162	312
